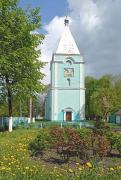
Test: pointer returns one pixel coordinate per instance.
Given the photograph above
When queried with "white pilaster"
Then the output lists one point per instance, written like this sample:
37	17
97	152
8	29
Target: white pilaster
82	92
51	105
56	93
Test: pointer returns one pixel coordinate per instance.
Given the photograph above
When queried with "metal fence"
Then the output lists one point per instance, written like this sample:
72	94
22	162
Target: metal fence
23	123
4	121
48	124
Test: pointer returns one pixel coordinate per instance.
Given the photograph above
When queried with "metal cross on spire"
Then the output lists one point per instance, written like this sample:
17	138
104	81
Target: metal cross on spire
66	21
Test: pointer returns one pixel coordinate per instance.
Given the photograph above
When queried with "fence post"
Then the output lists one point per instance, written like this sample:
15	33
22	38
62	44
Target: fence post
80	125
10	124
29	120
61	125
33	119
41	125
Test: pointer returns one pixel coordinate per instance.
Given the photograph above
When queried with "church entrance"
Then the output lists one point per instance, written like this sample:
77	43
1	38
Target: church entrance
68	116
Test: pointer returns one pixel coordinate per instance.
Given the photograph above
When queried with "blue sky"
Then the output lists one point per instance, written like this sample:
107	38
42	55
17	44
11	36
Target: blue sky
49	8
95	25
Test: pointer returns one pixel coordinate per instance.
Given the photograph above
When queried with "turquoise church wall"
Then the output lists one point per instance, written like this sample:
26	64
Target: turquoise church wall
65	101
63	95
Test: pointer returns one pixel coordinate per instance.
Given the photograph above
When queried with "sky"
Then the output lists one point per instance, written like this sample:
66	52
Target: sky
95	25
48	8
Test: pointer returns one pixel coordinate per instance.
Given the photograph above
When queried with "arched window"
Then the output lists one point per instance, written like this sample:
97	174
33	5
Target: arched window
69	62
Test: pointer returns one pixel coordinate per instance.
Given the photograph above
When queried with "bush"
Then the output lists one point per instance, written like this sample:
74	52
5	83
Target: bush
101	127
66	141
100	145
41	143
84	143
114	139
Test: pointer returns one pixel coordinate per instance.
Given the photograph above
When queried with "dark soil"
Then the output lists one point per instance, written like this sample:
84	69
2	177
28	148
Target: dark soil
51	158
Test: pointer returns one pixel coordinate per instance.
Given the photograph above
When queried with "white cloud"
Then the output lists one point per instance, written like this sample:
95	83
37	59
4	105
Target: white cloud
99	24
96	26
54	30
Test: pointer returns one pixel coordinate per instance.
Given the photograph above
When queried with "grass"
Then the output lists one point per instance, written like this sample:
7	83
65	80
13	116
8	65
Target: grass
16	163
111	125
114	126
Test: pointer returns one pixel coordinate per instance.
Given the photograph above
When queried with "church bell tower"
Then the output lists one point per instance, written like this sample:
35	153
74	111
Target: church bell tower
66	98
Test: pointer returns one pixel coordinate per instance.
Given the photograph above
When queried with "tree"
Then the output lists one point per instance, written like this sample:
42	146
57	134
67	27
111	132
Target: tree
19	65
90	84
105	100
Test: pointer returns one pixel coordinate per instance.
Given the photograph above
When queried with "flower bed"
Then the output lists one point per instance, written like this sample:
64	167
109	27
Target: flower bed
16	162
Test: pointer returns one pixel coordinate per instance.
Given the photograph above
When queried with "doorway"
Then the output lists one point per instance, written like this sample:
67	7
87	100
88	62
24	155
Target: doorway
68	116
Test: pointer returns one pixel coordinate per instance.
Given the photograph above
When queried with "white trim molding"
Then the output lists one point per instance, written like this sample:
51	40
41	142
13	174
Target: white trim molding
56	93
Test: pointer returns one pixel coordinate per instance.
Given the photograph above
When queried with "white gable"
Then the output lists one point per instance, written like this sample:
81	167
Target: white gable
67	44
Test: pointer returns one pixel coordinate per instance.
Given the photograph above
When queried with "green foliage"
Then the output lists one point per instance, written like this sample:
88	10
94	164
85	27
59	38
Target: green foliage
84	133
41	143
90	85
69	142
20	73
105	101
102	96
86	143
101	127
114	139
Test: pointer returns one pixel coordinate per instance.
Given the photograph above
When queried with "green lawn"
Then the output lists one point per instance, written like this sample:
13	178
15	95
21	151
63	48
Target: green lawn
16	163
114	126
111	125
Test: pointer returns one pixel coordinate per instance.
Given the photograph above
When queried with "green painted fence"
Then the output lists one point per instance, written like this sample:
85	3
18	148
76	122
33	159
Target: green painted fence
4	121
22	122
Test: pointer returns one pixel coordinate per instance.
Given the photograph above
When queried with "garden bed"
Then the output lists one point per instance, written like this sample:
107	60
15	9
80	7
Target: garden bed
17	163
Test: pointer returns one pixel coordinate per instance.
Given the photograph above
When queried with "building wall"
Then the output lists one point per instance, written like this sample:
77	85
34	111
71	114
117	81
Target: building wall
68	99
118	119
64	94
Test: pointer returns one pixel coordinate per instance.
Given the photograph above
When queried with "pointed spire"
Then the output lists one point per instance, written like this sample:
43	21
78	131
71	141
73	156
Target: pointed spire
67	44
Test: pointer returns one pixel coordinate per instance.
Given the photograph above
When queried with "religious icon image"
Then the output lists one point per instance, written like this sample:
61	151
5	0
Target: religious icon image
68	72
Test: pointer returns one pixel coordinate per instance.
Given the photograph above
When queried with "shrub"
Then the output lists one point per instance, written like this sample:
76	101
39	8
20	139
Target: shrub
114	139
84	143
95	143
41	142
101	127
57	136
100	145
85	135
66	141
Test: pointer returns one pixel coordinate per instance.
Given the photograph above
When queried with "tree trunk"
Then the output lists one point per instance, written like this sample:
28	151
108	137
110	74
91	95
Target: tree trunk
9	102
33	112
9	105
30	110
